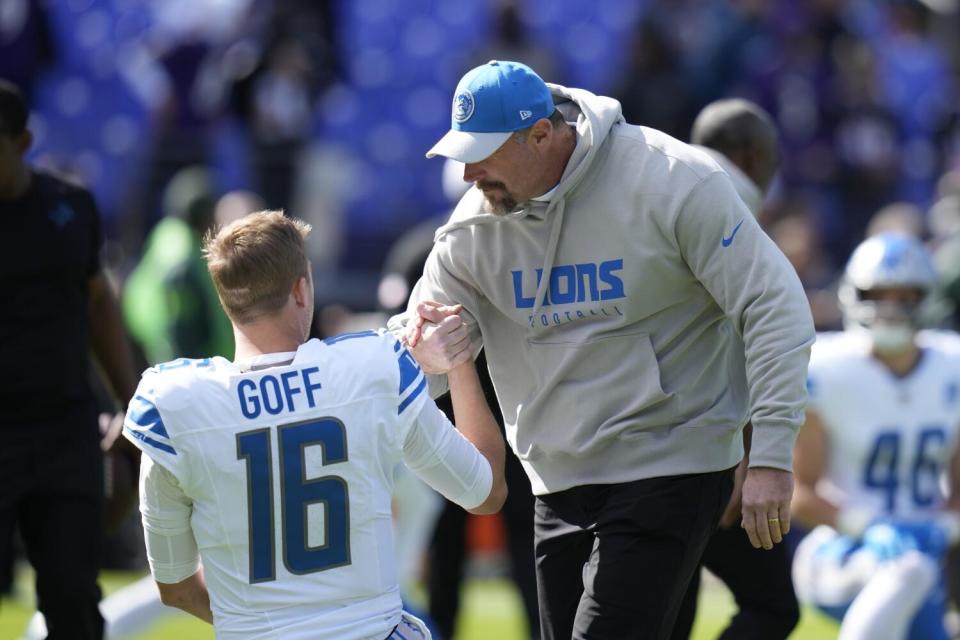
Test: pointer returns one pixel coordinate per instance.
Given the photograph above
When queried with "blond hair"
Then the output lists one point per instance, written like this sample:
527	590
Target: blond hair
255	261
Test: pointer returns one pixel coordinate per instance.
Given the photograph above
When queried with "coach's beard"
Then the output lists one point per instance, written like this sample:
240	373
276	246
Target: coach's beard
500	207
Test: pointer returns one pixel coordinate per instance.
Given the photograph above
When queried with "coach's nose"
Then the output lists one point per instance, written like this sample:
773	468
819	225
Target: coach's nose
473	172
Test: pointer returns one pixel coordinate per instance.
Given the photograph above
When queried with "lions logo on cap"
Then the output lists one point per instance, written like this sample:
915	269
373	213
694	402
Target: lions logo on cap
463	105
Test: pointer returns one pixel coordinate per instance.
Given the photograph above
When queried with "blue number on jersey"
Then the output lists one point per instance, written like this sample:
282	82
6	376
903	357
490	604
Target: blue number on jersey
882	470
925	474
296	494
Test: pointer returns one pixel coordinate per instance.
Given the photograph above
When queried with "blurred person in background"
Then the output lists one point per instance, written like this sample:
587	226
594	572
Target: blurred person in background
511	40
296	59
654	92
234	205
742	138
169	302
27	46
881	429
58	307
794	229
944	220
898	217
447	540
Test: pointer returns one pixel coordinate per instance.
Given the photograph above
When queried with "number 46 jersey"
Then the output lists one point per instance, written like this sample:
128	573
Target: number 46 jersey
890	439
283	475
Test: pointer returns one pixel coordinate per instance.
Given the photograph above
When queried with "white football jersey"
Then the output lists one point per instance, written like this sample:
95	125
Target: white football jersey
890	439
290	472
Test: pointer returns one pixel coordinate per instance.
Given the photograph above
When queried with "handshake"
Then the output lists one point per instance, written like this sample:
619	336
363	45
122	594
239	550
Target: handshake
438	337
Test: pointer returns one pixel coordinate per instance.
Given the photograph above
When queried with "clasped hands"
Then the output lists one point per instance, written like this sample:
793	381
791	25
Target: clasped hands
438	337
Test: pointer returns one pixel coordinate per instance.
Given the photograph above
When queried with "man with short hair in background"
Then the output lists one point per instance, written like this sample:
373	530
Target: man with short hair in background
57	307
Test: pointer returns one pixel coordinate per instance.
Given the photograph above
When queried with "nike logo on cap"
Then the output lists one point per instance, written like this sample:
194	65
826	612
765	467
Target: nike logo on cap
727	241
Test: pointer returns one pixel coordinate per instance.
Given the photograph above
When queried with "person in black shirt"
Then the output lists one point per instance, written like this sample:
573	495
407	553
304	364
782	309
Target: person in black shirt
57	306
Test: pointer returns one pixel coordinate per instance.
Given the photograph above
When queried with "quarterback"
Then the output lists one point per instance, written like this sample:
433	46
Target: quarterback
266	481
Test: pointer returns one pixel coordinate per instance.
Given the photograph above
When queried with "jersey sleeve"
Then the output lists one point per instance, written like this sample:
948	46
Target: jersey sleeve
818	373
171	547
145	428
442	282
413	385
443	458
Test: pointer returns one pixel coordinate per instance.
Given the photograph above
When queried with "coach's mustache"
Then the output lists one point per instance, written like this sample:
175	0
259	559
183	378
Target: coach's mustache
486	185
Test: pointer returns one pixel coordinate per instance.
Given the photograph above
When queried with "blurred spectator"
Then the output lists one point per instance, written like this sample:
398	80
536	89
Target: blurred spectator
944	307
920	89
742	138
234	205
949	184
58	308
167	76
867	141
899	217
26	44
944	219
169	301
795	232
276	96
511	41
653	92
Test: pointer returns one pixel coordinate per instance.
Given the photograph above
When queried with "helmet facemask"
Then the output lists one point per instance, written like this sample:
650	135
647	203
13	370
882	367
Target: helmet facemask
884	287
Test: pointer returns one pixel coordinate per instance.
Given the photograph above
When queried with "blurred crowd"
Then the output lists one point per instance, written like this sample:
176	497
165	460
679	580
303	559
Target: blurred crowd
325	108
184	114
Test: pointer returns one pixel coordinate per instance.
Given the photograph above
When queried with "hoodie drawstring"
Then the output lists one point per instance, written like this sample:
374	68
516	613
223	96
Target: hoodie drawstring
558	207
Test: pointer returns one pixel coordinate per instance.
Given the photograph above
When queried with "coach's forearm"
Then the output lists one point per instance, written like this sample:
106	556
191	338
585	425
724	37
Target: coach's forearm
475	421
188	595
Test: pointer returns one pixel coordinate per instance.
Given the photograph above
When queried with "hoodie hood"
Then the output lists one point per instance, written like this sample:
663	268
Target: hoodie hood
594	117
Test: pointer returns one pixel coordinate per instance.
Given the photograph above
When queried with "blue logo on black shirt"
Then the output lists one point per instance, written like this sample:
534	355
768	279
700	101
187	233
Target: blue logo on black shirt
61	215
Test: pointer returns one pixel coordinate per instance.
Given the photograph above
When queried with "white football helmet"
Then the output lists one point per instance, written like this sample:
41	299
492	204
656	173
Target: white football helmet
886	261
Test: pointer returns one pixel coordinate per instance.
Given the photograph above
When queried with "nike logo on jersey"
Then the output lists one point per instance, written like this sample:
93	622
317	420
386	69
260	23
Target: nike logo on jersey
727	241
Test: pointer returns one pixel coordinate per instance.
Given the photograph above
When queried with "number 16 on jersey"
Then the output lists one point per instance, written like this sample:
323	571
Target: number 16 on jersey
296	494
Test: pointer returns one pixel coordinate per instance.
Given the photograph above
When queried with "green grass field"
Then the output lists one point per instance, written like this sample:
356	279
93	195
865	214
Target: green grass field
491	609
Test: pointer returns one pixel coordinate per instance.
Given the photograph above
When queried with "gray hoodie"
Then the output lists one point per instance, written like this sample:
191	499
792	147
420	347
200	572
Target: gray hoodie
746	188
624	362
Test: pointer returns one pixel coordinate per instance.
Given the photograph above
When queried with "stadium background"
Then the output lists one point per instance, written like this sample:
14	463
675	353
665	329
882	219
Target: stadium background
325	109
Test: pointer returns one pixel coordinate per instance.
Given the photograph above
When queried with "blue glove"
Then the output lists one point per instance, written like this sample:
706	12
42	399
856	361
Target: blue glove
891	539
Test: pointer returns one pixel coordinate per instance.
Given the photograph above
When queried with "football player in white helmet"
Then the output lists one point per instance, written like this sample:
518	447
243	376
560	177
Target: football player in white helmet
880	436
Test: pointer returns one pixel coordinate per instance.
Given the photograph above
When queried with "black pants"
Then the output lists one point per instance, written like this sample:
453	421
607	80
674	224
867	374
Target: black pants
614	561
448	553
761	584
51	484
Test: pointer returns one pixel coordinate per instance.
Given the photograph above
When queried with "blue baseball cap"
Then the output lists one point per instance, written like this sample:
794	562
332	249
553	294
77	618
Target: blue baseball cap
490	103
